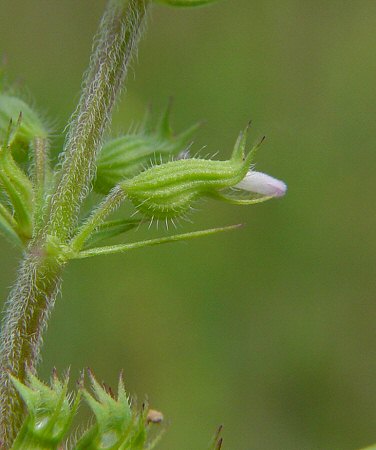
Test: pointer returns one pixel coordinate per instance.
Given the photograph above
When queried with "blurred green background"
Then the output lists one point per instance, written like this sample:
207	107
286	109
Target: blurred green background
269	330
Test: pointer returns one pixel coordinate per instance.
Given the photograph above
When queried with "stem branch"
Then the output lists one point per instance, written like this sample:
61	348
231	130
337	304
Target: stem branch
109	204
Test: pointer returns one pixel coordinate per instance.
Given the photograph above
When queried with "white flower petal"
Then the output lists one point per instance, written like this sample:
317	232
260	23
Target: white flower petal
261	183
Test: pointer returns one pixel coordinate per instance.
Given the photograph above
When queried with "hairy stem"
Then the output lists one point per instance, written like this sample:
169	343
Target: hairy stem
109	204
117	40
32	298
41	177
27	310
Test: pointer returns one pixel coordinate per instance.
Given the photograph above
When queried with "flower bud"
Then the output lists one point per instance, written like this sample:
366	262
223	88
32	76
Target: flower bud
126	156
29	127
261	183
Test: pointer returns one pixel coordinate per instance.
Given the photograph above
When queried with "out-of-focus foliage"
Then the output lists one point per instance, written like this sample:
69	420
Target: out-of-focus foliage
186	3
269	330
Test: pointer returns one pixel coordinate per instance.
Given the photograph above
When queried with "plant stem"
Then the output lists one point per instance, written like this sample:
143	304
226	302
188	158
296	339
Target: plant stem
27	310
41	177
117	40
32	298
109	204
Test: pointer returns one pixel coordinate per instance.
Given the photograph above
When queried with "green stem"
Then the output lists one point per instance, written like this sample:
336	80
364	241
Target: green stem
26	313
117	40
41	177
109	204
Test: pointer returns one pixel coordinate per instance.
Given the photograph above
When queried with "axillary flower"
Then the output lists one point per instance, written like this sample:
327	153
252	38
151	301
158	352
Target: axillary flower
168	190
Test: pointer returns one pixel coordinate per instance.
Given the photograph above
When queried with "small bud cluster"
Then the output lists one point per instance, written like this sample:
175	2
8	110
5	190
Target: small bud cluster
50	412
51	409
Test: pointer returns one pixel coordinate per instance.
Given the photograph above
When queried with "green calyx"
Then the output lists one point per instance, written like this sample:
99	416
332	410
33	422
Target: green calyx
118	425
23	169
126	156
16	189
30	125
168	191
50	412
22	187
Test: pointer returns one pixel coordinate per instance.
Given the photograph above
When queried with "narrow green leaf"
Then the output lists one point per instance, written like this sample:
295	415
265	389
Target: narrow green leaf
121	248
111	229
